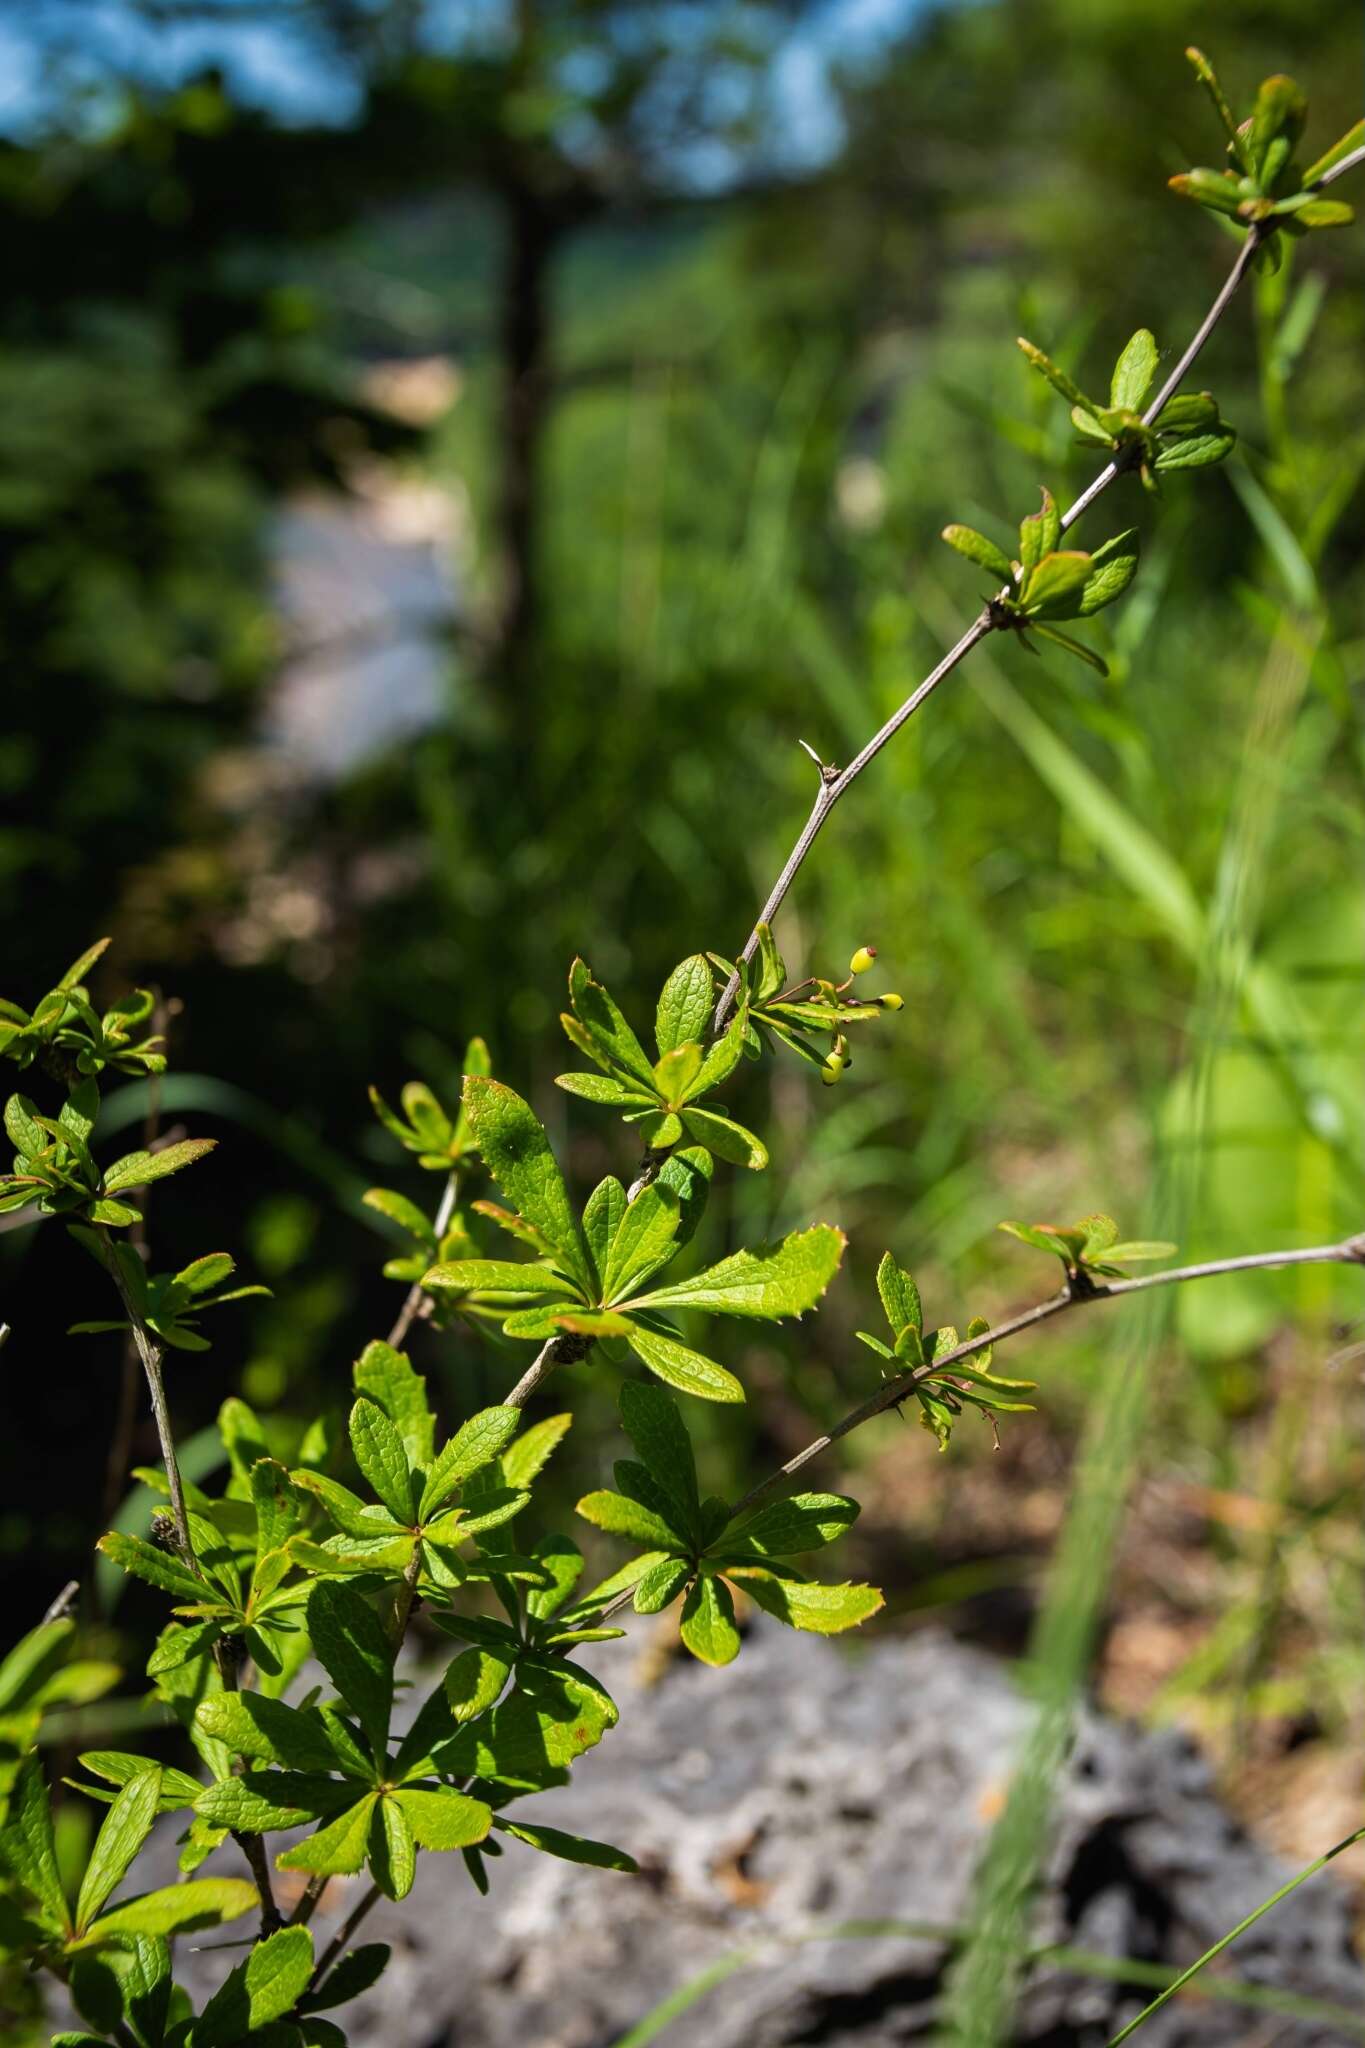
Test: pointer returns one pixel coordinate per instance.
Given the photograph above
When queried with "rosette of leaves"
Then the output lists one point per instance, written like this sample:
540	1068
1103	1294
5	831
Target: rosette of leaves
243	1583
440	1142
664	1098
1048	583
376	1801
54	1171
695	1553
949	1384
1263	185
1090	1247
62	1933
168	1303
598	1283
73	1038
809	1017
1188	433
427	1504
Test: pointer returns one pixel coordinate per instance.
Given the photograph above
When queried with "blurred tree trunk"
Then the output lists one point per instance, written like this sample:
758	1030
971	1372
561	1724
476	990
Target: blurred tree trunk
533	236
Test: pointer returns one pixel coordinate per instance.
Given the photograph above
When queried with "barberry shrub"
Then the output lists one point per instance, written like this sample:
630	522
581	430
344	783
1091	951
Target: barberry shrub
290	1592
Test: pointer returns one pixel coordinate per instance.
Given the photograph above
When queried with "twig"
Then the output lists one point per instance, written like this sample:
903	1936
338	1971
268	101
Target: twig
121	1441
417	1302
1079	1292
64	1602
565	1350
344	1933
149	1351
834	785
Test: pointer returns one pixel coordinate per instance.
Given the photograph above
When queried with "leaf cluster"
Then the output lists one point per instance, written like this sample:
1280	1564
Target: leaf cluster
1188	433
1049	582
946	1384
71	1038
1090	1247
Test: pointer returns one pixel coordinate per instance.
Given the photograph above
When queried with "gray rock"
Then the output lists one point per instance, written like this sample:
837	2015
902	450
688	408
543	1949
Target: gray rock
806	1787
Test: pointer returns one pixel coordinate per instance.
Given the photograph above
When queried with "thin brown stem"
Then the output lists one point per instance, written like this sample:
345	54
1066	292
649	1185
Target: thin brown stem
149	1351
121	1441
337	1944
1080	1291
417	1302
565	1350
834	784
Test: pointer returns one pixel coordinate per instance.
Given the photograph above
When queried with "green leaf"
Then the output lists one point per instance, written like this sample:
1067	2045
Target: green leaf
259	1991
76	973
601	1218
159	1569
386	1377
1040	532
527	1456
25	1134
264	1800
354	1651
475	1444
900	1297
1113	568
772	970
1196	451
393	1853
126	1827
603	1088
1218	190
1278	116
708	1622
517	1153
445	1819
1052	591
135	1169
1076	647
643	1241
651	1420
1058	379
203	1902
622	1517
32	1661
1134	371
823	1610
378	1451
267	1730
723	1136
1353	139
337	1850
723	1058
661	1584
494	1276
978	549
475	1681
562	1560
785	1281
354	1974
26	1842
684	1011
687	1370
573	1848
805	1521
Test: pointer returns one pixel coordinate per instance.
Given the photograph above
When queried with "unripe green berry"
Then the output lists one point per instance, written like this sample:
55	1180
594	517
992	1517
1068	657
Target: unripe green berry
833	1067
892	1002
862	960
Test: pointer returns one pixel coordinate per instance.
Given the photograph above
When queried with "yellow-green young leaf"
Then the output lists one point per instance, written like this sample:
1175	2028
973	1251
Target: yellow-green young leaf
356	1654
622	1517
475	1444
393	1853
1056	377
475	1681
978	549
252	1725
32	1661
27	1843
573	1848
135	1169
1324	213
684	1011
1196	451
606	1206
337	1850
1041	531
661	1584
562	1560
681	1367
271	1799
599	1017
708	1622
785	1281
493	1276
900	1296
772	971
260	1990
723	1136
1277	117
804	1522
1053	589
1208	78
1215	189
1072	646
525	1458
724	1056
605	1089
1112	569
203	1902
1134	371
386	1377
823	1610
378	1451
642	1241
517	1153
444	1820
1353	139
147	1562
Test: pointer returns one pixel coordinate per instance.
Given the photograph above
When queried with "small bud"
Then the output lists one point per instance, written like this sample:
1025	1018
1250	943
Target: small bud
892	1002
832	1068
862	960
